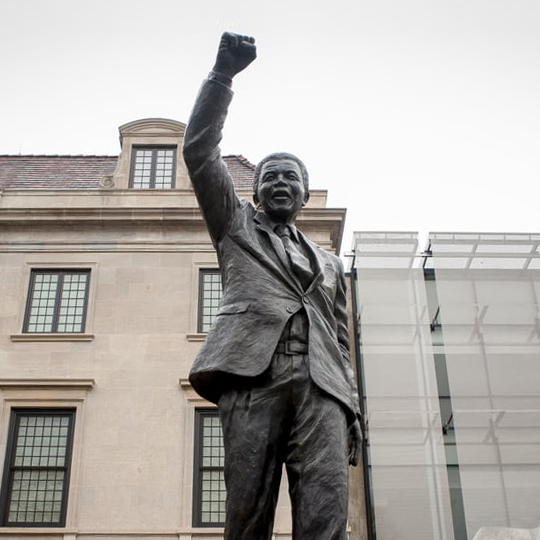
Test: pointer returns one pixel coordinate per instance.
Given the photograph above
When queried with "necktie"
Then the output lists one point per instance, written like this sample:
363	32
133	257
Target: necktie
299	262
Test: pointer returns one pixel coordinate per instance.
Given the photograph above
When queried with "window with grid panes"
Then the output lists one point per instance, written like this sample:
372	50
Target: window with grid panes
152	167
57	301
209	298
209	482
36	472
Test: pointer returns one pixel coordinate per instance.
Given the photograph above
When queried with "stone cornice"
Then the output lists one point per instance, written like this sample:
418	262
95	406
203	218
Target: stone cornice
174	207
108	194
140	213
321	217
99	214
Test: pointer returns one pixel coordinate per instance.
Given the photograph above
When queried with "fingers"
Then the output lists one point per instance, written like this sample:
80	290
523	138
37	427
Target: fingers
354	454
233	41
355	443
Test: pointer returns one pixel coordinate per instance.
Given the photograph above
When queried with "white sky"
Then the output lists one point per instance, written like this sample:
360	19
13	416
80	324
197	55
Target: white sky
416	115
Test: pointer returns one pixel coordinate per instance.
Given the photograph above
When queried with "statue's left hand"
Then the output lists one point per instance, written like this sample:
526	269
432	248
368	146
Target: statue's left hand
355	442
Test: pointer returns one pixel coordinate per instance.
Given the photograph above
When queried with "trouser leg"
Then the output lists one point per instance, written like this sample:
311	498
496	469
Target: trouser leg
317	462
254	417
282	417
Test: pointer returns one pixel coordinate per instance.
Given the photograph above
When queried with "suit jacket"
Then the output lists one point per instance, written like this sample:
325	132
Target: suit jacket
260	291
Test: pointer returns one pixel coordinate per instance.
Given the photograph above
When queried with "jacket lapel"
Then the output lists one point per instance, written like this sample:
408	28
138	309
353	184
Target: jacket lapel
265	225
317	261
276	259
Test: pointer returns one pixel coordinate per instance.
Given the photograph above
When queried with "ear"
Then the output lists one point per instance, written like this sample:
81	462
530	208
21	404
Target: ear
306	198
256	199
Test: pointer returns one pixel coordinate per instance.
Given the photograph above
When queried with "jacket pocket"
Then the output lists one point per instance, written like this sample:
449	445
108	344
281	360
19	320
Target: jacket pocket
232	309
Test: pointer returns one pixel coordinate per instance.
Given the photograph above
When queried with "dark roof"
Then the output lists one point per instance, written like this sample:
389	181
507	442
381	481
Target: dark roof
85	172
54	172
241	171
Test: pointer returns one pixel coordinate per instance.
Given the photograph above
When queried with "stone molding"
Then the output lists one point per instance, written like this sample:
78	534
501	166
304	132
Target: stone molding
46	383
51	337
152	127
70	534
196	337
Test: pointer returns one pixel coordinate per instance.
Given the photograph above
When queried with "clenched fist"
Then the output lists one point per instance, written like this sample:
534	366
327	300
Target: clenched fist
235	53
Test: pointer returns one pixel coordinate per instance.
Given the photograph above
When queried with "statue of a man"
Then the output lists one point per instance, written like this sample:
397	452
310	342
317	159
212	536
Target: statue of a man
276	360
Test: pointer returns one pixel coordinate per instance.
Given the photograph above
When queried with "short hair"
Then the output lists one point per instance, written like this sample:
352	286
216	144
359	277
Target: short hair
274	157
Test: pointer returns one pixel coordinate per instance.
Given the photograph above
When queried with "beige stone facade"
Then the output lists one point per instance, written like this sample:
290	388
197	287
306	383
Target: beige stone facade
126	374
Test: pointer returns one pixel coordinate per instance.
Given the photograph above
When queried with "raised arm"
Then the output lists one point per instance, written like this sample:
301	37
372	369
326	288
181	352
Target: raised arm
211	181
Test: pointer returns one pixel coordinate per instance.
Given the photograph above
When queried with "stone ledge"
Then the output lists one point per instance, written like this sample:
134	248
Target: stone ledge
213	532
198	336
69	534
46	383
36	531
51	337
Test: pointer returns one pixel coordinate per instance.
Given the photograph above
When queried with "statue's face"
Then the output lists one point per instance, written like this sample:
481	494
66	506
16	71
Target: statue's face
281	191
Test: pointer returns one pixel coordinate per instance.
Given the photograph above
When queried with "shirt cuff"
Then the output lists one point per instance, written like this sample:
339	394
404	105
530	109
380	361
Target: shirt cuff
220	78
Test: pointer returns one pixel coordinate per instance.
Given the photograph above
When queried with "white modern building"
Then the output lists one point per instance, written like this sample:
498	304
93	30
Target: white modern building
449	360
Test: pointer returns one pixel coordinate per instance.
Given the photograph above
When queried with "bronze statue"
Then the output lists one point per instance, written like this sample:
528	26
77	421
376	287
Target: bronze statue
276	361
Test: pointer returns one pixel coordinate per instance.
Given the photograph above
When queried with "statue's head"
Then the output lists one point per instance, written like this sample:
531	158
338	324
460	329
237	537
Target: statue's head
281	186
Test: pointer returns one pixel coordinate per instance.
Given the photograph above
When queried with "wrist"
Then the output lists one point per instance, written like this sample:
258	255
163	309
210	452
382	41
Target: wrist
220	77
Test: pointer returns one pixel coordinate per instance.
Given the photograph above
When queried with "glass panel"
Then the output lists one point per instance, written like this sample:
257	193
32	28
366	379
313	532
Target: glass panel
408	475
489	314
213	497
475	340
212	441
43	297
31	502
153	168
142	169
72	302
213	493
37	493
164	169
211	297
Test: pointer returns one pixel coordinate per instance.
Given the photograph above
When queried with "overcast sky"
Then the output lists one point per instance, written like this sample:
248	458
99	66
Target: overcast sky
415	115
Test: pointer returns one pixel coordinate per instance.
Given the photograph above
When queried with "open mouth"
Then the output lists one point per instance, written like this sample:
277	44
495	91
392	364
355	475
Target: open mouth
281	195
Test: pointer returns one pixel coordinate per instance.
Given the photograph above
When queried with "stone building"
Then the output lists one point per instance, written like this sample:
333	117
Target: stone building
108	283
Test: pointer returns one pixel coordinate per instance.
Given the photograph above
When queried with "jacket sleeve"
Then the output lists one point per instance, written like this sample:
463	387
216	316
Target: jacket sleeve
211	180
340	313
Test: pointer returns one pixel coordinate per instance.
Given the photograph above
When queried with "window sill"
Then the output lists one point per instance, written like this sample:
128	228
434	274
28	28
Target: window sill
42	531
199	336
52	337
206	530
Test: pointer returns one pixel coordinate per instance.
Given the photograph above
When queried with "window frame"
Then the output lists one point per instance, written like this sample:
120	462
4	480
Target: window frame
198	468
9	467
200	310
61	272
154	149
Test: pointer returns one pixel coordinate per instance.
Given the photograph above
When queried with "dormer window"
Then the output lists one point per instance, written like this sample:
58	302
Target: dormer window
153	167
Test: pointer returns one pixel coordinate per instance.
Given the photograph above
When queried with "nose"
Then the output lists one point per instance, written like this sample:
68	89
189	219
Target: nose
280	179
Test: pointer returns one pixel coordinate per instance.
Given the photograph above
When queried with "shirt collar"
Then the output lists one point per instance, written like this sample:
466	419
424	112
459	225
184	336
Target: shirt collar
264	218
